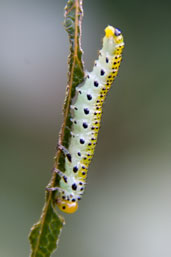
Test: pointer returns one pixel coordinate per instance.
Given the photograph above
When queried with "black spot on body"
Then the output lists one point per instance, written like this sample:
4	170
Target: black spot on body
86	111
75	169
73	200
75	108
79	154
102	72
82	141
89	97
96	83
82	188
83	173
107	60
63	207
74	186
85	125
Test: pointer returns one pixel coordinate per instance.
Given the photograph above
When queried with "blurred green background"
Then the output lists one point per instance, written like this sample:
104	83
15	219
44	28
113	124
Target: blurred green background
126	210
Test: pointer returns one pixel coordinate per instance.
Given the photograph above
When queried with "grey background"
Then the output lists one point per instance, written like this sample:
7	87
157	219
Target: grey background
126	210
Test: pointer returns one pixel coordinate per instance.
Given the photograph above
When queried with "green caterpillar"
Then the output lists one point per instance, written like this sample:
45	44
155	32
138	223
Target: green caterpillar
87	111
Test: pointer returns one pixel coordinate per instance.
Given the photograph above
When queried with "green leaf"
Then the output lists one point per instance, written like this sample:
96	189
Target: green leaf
45	234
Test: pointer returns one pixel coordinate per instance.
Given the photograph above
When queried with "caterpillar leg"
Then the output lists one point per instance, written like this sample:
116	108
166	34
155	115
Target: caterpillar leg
49	189
65	151
60	173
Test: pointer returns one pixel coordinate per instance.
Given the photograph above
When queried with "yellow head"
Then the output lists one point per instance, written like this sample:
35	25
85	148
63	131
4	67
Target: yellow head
109	30
115	33
67	206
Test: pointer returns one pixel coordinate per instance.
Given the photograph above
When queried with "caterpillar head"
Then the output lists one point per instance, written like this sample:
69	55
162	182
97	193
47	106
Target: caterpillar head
114	33
67	206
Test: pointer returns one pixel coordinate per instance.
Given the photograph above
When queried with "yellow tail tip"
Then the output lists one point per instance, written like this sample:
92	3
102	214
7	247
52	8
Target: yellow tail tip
67	206
109	30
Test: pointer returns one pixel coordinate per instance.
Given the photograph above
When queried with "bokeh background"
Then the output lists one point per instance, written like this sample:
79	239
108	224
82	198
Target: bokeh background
126	210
